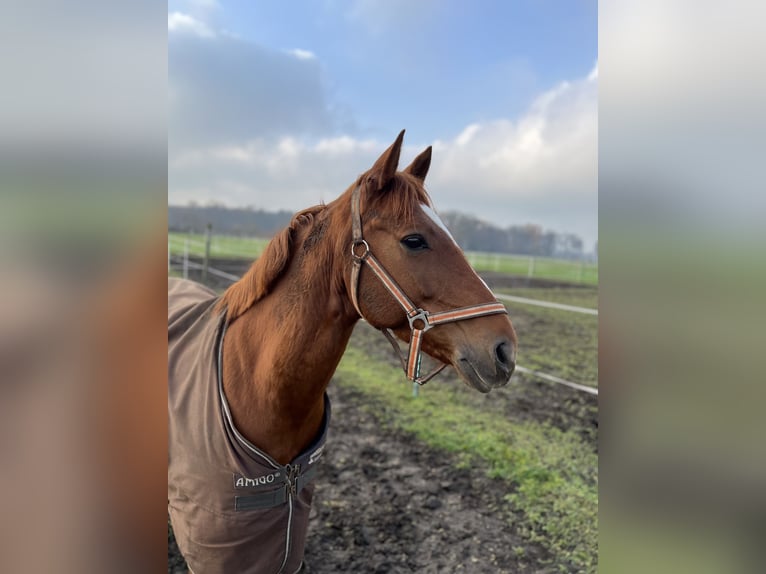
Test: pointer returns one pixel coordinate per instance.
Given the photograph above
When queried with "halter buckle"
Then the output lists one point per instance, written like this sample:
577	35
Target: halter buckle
354	245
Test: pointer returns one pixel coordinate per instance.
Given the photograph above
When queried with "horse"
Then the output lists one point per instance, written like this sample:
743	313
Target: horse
248	371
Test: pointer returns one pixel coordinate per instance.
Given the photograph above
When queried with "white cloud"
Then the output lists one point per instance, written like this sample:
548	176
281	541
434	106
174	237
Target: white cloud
180	23
302	54
540	167
226	90
289	173
552	148
467	134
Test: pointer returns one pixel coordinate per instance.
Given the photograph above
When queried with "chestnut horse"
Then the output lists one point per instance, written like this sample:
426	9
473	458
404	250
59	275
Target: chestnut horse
275	338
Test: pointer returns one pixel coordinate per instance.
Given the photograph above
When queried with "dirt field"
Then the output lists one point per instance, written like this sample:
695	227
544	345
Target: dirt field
386	502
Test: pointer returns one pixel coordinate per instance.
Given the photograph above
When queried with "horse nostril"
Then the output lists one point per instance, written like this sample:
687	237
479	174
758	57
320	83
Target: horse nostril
505	356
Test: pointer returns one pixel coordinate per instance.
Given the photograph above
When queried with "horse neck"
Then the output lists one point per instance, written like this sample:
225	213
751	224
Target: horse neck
280	355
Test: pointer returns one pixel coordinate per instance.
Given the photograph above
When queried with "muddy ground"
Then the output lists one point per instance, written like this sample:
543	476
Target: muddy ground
385	502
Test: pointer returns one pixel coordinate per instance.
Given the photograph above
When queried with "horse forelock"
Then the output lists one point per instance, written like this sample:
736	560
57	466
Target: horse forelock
400	200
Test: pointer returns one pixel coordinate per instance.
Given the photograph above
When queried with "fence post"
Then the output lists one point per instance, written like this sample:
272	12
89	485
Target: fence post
186	258
208	236
531	268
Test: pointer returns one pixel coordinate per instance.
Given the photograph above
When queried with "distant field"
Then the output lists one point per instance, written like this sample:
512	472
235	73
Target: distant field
540	267
220	245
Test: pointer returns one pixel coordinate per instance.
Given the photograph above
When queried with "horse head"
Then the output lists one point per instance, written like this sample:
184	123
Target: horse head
409	277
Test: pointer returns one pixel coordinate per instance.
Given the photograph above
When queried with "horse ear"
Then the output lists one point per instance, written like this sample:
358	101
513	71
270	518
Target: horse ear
383	170
419	166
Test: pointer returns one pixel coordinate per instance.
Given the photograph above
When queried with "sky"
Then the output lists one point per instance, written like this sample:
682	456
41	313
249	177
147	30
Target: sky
280	105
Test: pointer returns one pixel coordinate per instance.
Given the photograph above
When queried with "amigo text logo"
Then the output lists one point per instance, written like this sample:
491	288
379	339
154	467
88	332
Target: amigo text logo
245	482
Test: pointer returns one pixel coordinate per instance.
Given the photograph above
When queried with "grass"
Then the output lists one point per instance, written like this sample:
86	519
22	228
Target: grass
220	245
551	474
543	267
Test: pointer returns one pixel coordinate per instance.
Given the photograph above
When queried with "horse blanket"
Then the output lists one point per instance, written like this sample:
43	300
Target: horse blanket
233	508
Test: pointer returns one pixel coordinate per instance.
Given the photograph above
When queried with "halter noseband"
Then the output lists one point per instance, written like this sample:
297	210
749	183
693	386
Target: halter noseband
415	315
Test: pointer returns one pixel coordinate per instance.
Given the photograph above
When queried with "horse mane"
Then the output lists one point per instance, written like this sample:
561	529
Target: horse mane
398	200
258	281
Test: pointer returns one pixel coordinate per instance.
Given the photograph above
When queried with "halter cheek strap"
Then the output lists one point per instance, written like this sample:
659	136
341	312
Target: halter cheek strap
419	319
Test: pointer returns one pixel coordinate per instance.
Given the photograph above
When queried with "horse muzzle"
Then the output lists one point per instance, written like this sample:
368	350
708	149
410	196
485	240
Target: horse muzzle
489	370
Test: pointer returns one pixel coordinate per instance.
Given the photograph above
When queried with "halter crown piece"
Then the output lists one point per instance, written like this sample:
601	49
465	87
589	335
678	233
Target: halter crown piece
420	320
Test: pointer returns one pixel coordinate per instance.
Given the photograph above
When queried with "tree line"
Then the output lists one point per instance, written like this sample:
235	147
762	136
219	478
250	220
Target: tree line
243	221
471	233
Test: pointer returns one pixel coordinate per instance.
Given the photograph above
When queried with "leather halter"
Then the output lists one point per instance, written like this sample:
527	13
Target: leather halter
415	315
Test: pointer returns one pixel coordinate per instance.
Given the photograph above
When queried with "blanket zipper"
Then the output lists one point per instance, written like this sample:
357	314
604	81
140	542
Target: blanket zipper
291	480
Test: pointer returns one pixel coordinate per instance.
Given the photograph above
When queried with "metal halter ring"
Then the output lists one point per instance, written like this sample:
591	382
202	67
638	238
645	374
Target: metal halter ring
354	246
420	316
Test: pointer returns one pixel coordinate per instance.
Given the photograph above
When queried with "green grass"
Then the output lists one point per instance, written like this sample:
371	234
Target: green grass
541	267
220	245
551	474
544	267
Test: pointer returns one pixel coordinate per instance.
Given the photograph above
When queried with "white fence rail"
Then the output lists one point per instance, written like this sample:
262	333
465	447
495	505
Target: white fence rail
549	304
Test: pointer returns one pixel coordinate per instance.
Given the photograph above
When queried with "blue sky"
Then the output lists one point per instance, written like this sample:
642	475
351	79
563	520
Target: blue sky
282	104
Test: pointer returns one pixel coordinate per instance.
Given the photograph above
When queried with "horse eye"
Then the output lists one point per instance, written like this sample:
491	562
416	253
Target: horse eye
414	242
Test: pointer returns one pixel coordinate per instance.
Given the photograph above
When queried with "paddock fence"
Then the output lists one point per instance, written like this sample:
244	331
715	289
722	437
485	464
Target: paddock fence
583	272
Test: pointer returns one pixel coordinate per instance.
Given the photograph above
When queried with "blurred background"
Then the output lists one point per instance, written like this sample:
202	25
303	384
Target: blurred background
681	207
83	182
